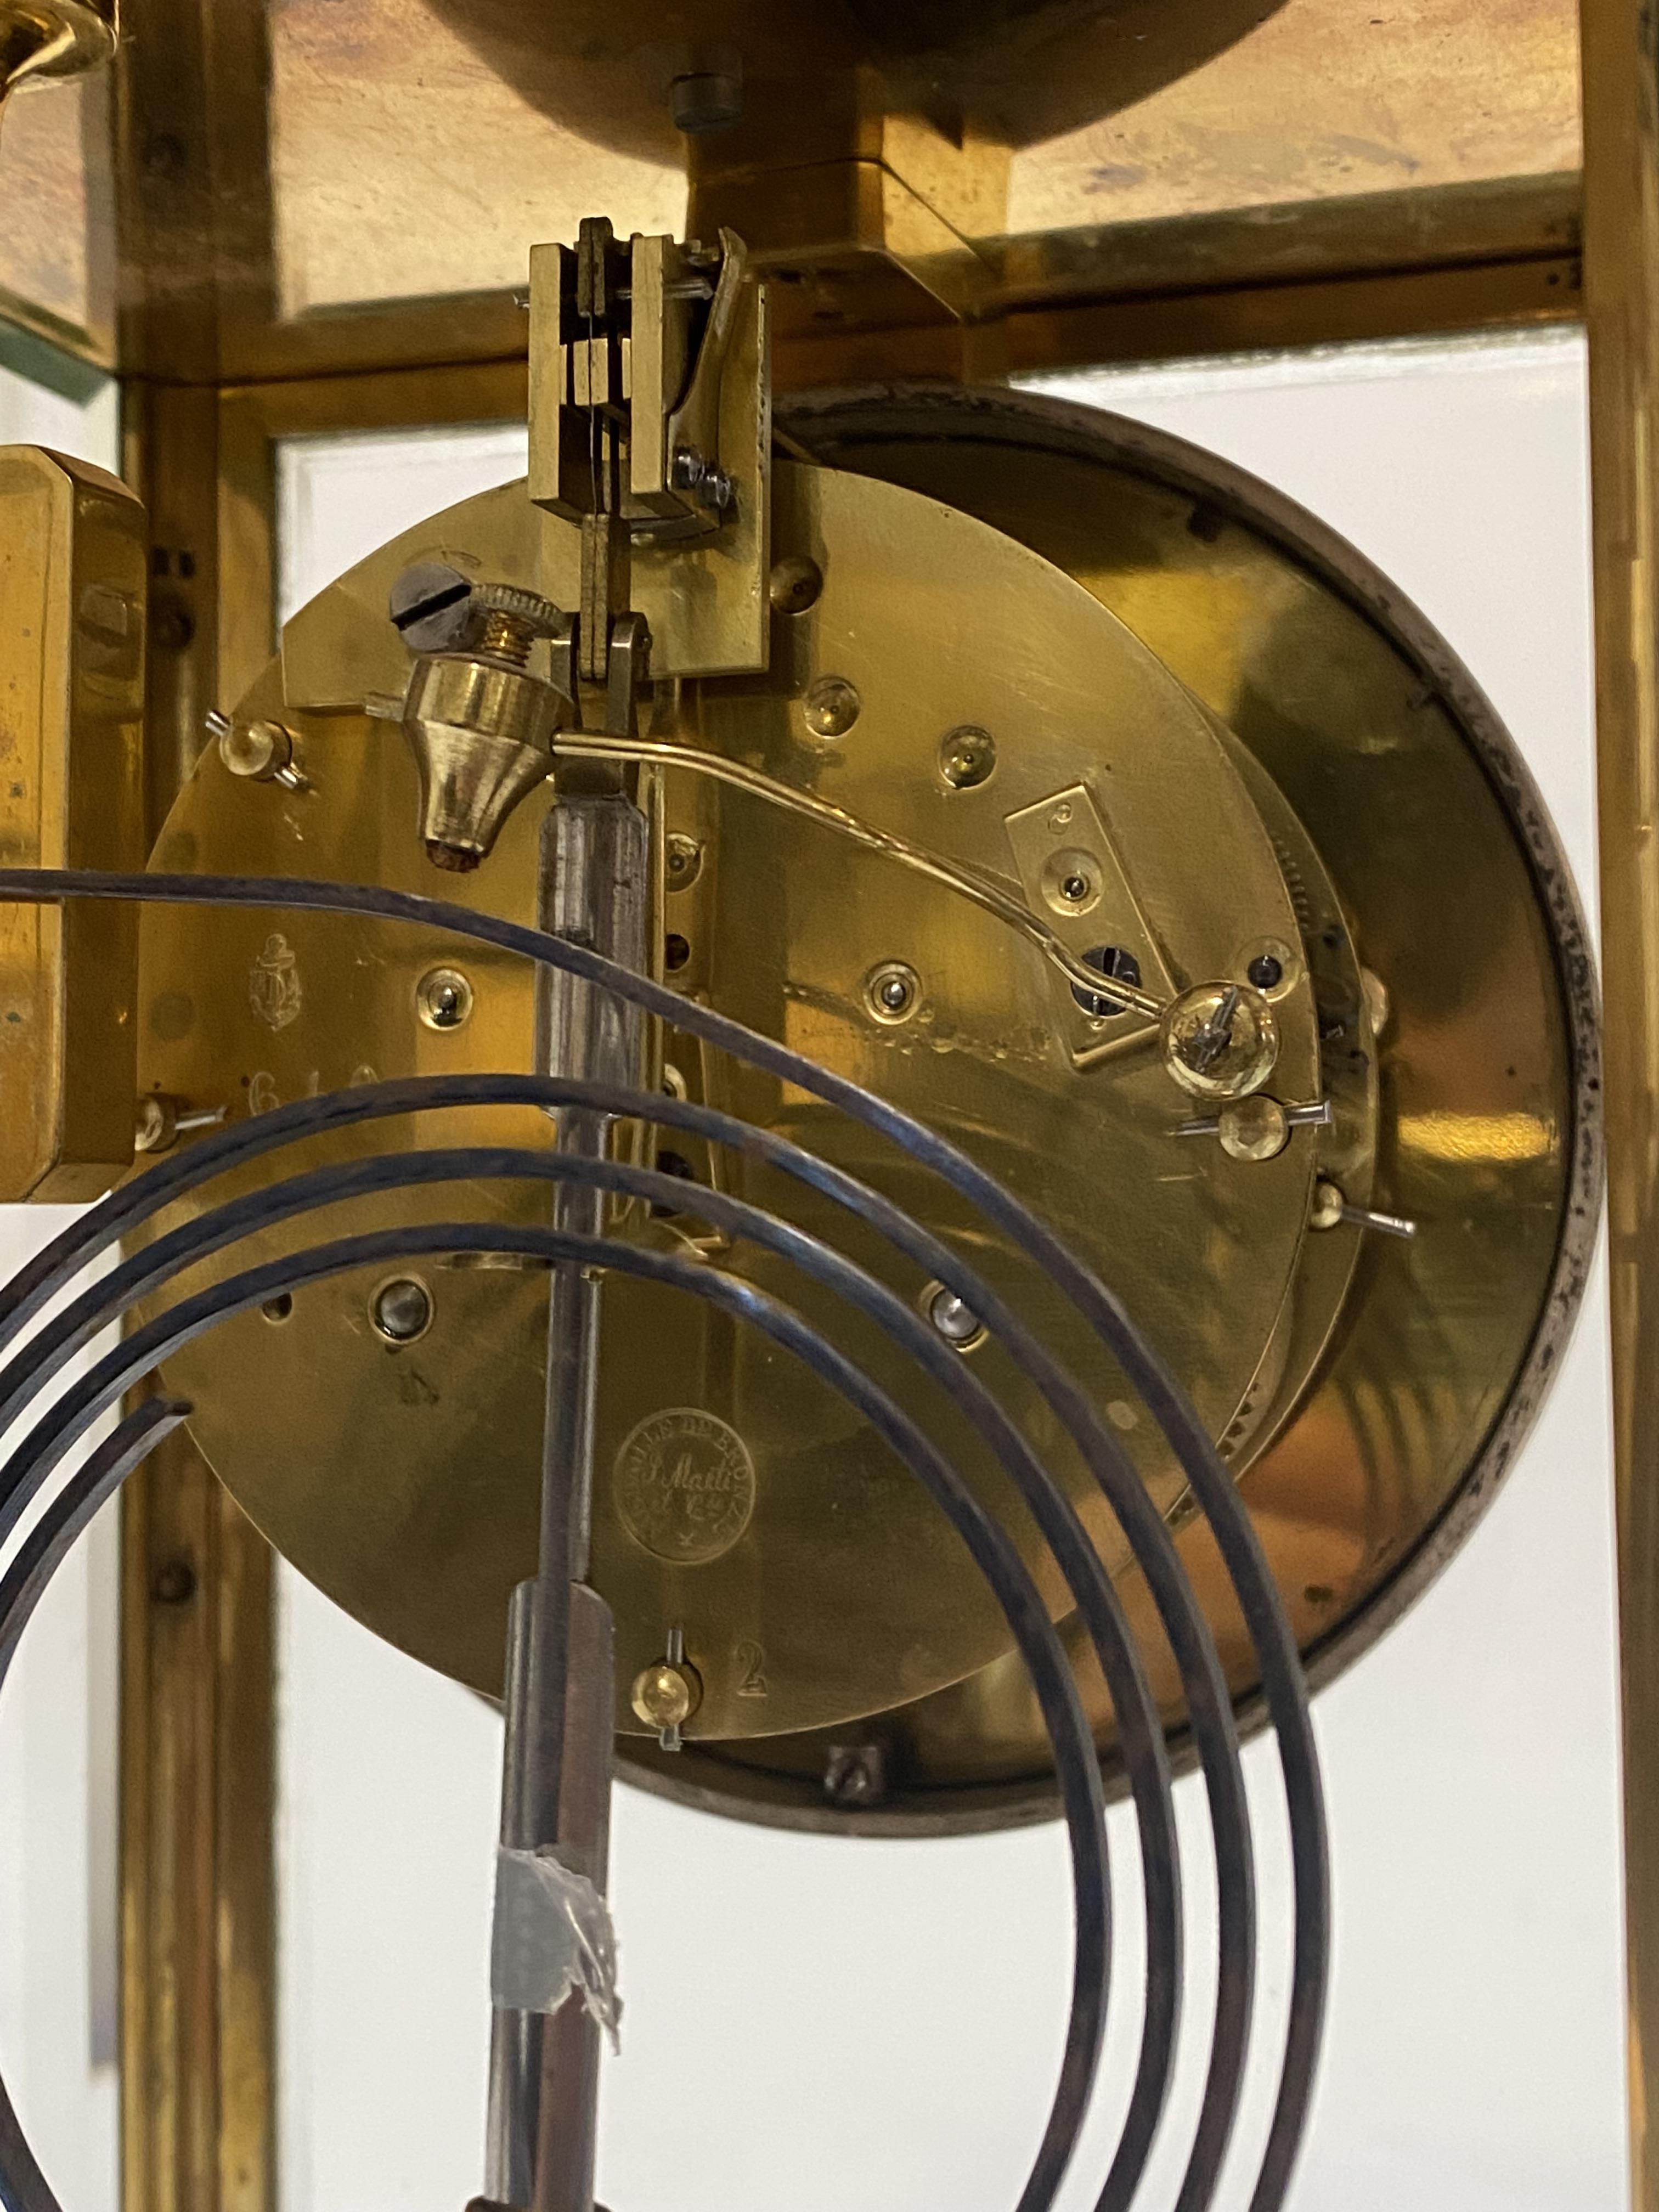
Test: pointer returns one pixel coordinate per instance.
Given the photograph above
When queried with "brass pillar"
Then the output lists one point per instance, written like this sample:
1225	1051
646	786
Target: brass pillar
1621	272
197	1728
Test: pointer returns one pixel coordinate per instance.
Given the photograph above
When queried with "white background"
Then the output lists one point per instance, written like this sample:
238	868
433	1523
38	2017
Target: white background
876	2026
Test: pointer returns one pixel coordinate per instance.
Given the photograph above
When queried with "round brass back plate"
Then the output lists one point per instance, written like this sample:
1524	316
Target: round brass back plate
737	1498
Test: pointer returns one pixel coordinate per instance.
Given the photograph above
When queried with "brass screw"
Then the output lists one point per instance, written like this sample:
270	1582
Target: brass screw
401	1309
967	757
795	584
684	862
1072	880
443	998
1270	966
956	1321
832	706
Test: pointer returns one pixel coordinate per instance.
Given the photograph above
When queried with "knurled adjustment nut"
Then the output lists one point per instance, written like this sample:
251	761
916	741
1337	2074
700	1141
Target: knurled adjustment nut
519	604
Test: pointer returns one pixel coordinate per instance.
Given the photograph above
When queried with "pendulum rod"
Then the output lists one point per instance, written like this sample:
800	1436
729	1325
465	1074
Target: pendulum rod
556	1789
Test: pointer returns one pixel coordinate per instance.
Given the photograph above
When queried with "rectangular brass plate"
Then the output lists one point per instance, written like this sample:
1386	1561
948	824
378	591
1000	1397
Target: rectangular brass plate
72	590
1066	833
706	603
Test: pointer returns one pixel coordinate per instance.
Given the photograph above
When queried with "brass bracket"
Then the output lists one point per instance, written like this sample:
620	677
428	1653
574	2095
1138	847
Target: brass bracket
650	437
1072	876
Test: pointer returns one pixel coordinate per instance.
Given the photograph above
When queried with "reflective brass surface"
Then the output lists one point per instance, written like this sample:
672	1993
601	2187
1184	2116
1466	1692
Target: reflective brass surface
53	39
73	562
807	1546
1458	900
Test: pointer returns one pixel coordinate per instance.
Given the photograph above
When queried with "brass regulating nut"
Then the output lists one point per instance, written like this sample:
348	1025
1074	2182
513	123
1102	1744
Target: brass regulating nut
481	726
666	1694
1220	1040
513	618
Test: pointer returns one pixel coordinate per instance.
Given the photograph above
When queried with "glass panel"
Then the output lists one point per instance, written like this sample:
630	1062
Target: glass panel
420	151
877	2024
57	262
59	1951
404	148
1440	93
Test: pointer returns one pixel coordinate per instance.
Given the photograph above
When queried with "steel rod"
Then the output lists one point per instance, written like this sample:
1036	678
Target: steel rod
592	891
514	2048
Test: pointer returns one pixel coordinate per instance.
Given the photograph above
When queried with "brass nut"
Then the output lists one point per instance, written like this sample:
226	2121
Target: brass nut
1220	1040
513	619
967	757
458	693
1326	1210
832	708
257	751
666	1694
1378	1003
524	606
443	998
481	733
1254	1128
156	1123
